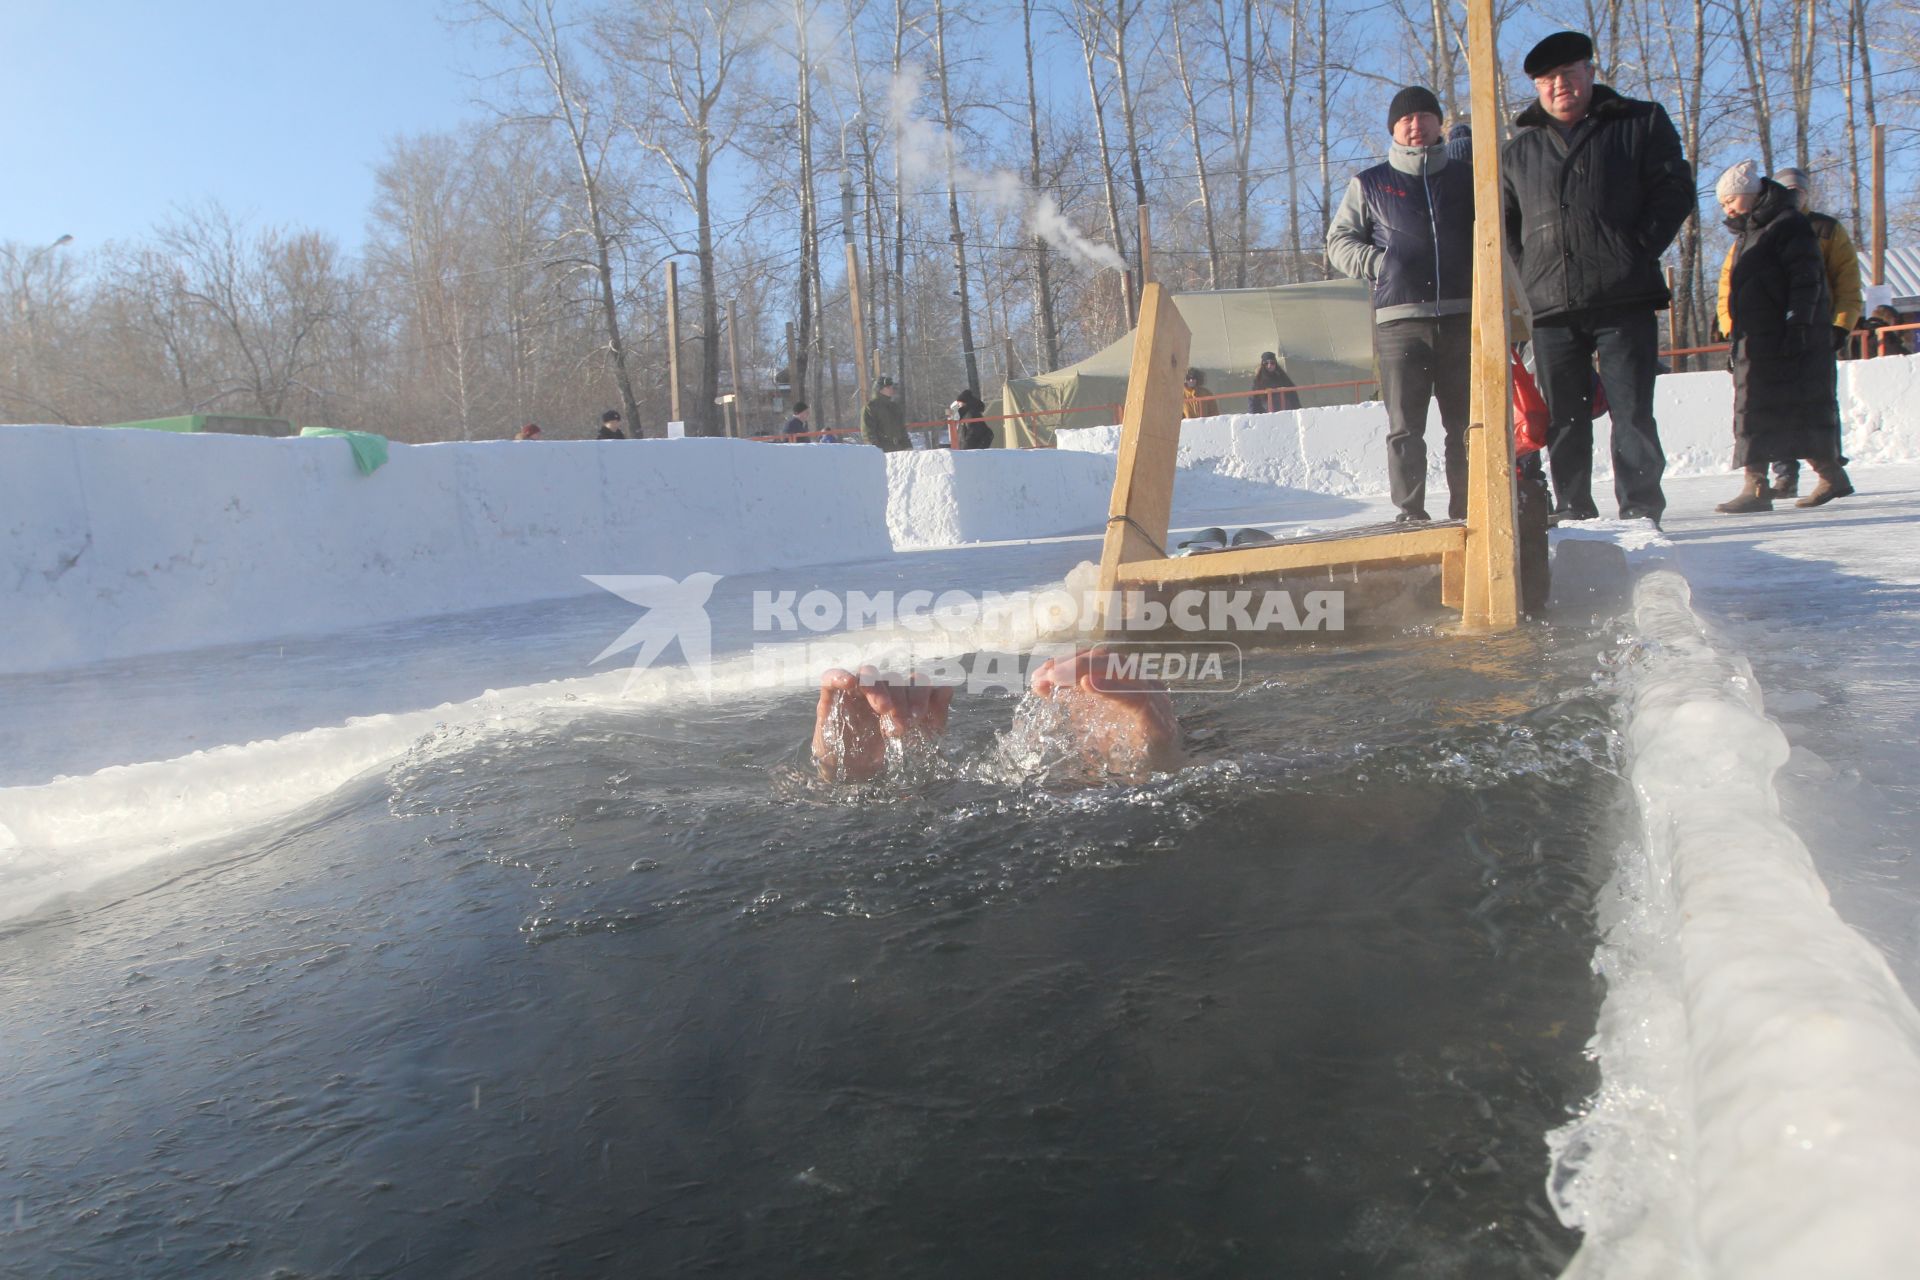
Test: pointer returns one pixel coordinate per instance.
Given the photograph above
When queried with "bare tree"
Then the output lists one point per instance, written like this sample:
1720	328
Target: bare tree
146	295
533	27
903	24
266	296
1240	121
1117	27
1199	151
37	283
950	123
1673	36
877	291
1286	71
683	59
1803	58
808	281
1042	266
1089	24
422	219
1749	26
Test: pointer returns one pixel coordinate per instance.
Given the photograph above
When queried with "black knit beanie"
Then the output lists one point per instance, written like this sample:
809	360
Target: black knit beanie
1409	100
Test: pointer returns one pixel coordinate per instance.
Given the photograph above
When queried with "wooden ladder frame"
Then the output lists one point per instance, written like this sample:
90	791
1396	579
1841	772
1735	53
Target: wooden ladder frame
1478	557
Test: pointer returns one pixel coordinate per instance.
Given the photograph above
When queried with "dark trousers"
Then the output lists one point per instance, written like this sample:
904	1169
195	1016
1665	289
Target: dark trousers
1629	349
1421	361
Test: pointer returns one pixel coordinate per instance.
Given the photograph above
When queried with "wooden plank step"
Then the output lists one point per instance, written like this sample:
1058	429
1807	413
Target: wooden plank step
1377	545
1330	535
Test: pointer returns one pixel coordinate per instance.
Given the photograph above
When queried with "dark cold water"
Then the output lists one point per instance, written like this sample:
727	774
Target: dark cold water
632	995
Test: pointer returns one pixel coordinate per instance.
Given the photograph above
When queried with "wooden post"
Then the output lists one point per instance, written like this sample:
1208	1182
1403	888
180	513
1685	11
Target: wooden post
1879	204
673	345
859	325
733	359
1126	298
1146	246
1453	573
833	370
1149	443
1006	428
1491	590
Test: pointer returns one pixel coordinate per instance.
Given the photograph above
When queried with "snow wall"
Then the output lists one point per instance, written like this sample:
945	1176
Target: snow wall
118	543
1342	449
121	542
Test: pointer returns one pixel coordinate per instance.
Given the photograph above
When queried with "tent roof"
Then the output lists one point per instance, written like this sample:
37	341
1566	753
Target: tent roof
1322	332
1326	321
1903	277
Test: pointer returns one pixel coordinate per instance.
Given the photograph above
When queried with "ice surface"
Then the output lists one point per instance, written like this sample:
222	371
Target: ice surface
1760	1111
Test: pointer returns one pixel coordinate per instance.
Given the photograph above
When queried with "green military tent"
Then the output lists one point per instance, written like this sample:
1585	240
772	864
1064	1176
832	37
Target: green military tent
1322	332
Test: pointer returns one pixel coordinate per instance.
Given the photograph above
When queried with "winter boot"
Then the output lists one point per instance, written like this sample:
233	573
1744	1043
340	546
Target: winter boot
1754	495
1833	484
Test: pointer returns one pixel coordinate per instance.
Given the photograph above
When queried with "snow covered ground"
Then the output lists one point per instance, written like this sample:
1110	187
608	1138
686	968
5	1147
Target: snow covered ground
1826	605
1761	1108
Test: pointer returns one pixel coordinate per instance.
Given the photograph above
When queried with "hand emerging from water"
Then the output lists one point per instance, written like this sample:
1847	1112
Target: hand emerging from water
1117	725
1121	726
857	714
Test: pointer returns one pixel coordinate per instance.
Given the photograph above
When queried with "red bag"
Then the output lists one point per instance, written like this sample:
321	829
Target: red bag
1529	410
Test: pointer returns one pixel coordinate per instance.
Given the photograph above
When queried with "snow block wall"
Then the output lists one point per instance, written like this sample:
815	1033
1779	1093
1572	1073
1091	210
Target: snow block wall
1342	449
1337	449
1880	409
941	498
117	543
123	542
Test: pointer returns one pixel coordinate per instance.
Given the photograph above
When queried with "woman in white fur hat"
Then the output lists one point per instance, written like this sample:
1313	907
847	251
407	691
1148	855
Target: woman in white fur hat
1783	363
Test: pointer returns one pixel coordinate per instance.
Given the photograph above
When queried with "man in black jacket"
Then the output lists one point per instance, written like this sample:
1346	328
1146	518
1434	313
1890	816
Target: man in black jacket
1596	187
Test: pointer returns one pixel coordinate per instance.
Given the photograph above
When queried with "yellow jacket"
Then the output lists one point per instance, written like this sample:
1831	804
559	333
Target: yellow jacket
1843	274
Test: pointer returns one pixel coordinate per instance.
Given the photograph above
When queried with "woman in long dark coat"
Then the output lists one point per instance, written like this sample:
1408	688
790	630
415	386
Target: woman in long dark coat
969	413
1783	362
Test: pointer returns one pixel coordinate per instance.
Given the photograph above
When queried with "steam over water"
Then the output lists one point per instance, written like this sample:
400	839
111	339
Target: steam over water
635	995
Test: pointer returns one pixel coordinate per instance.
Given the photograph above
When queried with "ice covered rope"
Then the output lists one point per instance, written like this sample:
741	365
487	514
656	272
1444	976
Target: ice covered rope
1801	1050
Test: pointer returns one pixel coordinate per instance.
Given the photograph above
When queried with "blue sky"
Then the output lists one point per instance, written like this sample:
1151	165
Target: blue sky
114	112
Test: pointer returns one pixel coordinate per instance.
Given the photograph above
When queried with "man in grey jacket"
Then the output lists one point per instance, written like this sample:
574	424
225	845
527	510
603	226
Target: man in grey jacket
1406	225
